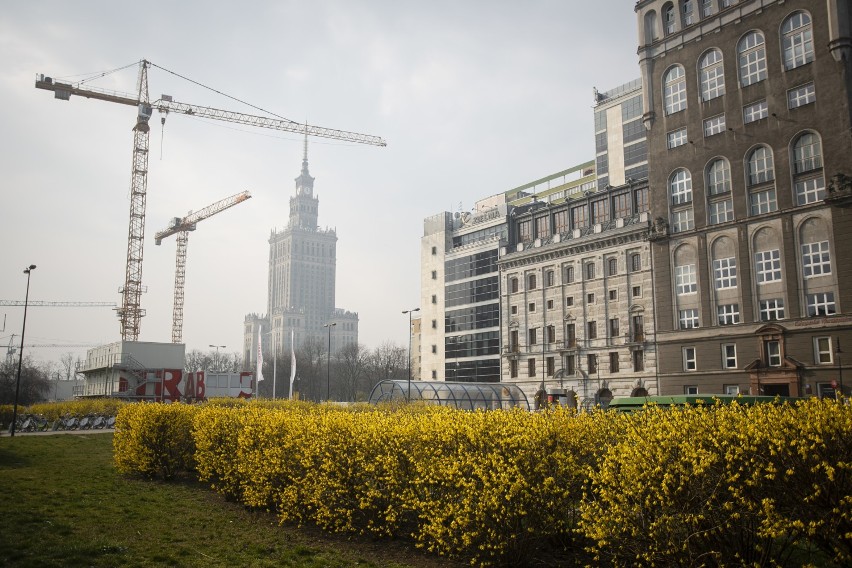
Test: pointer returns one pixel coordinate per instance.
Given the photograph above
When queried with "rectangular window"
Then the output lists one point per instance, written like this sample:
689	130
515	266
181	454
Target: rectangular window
816	259
621	205
728	314
580	217
706	8
613	295
762	202
590	298
732	390
685	281
532	336
801	96
531	367
525	231
810	190
434	299
569	301
570	335
729	356
721	211
772	309
560	221
531	307
531	282
638	360
768	266
592	330
637	291
542	229
613	327
689	363
569	274
551	334
635	262
676	138
682	220
688	318
550	304
773	353
570	366
822	350
690	389
714	125
434	250
725	273
821	304
611	267
514	310
592	361
434	349
613	362
551	367
755	111
434	275
641	198
513	368
600	211
549	278
590	271
434	324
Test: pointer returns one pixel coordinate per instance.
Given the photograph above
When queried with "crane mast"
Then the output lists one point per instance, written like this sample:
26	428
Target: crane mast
130	313
181	228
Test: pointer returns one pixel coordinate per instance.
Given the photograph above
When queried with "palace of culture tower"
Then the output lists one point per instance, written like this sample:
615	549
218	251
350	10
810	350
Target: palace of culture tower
302	273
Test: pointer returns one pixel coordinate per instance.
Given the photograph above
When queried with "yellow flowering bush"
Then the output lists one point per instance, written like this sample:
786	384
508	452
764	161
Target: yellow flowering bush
704	485
154	439
79	408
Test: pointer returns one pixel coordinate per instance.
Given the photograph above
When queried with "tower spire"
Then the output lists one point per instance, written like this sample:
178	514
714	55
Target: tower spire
305	183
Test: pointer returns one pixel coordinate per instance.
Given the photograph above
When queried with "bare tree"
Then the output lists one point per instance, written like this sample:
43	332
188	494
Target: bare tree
35	382
388	361
351	371
68	367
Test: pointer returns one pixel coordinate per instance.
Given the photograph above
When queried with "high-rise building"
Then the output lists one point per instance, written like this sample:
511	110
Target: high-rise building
302	273
460	306
747	105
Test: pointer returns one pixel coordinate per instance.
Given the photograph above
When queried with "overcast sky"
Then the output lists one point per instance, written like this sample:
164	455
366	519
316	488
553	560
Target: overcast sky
472	97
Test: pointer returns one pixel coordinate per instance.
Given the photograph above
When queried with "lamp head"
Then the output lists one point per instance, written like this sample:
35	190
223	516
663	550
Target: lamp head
30	268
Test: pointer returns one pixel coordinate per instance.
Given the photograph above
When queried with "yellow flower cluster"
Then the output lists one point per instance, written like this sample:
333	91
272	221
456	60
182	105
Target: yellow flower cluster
700	485
154	439
79	408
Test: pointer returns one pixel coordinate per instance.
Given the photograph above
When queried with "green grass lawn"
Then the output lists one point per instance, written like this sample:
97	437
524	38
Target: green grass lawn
63	504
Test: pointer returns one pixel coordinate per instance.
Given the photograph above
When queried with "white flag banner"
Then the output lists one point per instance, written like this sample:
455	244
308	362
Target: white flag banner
259	355
292	360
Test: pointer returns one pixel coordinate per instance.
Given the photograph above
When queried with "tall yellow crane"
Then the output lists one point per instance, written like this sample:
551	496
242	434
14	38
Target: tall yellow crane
181	228
130	313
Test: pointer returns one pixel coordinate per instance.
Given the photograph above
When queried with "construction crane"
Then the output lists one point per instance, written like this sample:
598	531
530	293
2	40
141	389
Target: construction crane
181	228
130	313
38	303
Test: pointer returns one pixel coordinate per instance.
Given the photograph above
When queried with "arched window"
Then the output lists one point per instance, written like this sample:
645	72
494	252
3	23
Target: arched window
797	40
674	94
808	179
669	19
760	168
752	58
712	75
717	182
680	187
650	27
680	197
531	282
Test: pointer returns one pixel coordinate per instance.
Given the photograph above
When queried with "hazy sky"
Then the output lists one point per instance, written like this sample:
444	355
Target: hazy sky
473	98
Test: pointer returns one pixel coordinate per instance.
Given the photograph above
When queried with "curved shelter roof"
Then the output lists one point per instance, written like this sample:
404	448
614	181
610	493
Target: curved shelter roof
464	396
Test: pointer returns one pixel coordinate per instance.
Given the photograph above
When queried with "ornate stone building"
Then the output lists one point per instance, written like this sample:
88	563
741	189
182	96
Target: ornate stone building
747	106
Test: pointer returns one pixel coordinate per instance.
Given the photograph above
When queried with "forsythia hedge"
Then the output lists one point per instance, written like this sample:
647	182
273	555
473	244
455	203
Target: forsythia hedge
707	485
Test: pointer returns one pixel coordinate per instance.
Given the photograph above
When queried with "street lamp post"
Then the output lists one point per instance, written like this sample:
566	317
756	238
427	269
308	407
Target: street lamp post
217	354
409	312
28	270
328	362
